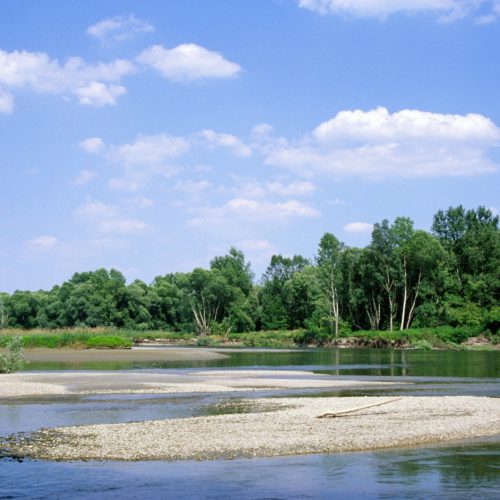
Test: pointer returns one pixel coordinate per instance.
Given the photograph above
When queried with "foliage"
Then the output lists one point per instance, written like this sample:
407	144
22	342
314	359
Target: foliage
12	360
405	279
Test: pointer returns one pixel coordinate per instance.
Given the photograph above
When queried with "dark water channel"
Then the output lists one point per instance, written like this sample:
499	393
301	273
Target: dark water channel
461	470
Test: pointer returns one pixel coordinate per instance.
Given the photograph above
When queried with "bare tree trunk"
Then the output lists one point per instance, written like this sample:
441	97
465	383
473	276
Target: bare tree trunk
388	287
334	307
414	302
405	296
373	312
203	316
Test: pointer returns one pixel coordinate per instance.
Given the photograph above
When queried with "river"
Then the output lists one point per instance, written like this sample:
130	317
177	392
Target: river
462	470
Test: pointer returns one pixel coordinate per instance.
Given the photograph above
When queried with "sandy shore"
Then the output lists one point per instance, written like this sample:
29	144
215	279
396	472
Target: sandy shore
66	383
273	427
138	354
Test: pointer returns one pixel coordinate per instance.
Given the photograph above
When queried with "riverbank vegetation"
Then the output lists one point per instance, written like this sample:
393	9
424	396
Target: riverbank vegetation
407	286
12	360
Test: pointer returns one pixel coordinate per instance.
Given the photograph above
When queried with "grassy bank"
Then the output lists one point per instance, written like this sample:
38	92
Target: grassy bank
444	337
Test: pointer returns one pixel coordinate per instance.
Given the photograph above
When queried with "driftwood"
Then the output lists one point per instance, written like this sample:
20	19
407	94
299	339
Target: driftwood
352	410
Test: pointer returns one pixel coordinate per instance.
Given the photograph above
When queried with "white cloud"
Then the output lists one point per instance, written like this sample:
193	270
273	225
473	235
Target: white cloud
118	29
108	219
262	129
92	84
378	125
97	209
255	189
150	149
145	157
84	177
213	139
92	145
98	94
446	10
42	243
245	209
358	227
6	102
188	62
256	245
121	226
376	143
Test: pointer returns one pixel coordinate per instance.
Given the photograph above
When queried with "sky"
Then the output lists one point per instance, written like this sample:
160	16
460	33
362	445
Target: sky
152	135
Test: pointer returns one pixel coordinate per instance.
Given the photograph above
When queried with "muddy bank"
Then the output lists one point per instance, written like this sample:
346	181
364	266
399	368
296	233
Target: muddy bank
274	427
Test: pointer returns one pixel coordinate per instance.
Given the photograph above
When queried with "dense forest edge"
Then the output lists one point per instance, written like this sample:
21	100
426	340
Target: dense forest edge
407	288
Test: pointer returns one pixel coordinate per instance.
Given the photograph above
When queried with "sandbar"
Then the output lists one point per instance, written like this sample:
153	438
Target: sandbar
272	427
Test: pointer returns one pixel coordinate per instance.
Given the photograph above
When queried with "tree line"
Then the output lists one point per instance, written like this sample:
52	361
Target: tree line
405	277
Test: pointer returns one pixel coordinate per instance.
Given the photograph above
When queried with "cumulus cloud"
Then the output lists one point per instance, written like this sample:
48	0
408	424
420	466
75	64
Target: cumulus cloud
358	227
376	143
6	102
188	62
84	177
445	10
108	219
42	243
92	84
99	94
119	29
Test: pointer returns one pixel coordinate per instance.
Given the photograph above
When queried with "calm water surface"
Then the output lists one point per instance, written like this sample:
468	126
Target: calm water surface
463	470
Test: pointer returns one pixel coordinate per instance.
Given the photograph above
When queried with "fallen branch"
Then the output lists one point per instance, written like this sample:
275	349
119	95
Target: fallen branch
343	412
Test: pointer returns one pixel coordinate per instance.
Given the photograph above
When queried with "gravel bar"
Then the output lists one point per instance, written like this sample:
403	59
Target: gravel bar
274	427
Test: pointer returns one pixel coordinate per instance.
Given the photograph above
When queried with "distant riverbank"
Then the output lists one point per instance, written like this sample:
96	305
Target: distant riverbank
444	337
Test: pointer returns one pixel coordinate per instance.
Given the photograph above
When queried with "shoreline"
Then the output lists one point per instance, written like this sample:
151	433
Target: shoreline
271	427
186	382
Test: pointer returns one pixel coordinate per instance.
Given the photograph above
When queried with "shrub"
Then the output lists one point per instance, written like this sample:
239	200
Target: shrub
12	360
107	342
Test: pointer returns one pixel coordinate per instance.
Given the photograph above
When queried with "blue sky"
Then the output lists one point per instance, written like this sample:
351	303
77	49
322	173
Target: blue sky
150	135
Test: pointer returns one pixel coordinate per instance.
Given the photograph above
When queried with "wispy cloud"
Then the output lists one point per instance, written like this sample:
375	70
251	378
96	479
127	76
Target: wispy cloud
6	102
42	243
92	145
482	11
108	219
358	227
241	209
119	29
84	177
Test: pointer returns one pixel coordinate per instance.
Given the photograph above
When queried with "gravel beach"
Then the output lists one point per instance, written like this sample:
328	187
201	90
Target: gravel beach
70	383
272	427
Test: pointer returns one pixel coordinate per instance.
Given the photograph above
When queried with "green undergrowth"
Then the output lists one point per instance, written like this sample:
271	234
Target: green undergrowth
75	340
444	337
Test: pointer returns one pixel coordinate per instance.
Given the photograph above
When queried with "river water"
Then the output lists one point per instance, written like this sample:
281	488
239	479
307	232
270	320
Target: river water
461	470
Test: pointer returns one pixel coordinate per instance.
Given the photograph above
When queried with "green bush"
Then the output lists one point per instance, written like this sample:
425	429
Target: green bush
492	320
108	342
12	360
